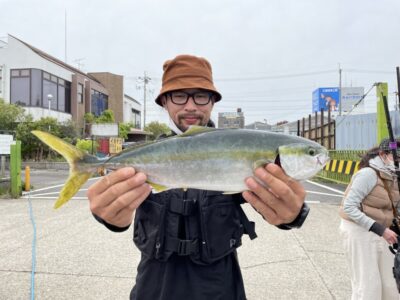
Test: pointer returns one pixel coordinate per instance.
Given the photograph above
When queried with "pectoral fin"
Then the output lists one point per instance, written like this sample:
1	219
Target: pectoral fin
158	187
261	163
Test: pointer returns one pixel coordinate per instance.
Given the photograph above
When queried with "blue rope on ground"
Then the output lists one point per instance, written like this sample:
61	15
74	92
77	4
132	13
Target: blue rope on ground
33	248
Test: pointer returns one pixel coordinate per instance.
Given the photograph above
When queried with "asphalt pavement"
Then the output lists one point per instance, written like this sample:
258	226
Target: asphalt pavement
77	258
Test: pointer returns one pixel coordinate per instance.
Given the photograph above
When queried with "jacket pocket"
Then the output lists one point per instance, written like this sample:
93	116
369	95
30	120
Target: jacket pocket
221	228
147	233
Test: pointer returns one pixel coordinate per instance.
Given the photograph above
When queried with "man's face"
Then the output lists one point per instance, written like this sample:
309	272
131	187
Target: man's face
185	115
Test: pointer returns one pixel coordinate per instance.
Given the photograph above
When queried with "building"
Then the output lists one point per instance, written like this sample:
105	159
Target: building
48	87
132	109
231	119
259	126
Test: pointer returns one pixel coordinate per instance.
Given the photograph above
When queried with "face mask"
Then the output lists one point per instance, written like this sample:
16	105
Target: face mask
389	164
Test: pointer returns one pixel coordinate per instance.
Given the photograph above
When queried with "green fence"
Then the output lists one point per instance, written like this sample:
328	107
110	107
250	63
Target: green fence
343	164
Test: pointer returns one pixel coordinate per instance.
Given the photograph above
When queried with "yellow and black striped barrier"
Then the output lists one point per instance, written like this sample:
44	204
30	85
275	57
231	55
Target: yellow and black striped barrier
347	167
342	166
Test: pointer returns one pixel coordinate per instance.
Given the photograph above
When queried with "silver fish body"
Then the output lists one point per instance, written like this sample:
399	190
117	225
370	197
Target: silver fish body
220	159
200	158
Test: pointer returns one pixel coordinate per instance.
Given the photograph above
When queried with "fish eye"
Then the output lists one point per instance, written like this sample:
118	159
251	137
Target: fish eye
311	151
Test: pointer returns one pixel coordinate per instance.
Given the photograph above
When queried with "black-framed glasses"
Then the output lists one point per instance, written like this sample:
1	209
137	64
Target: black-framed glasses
199	98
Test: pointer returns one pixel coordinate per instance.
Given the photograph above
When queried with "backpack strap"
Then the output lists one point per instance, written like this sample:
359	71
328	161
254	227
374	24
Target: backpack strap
248	226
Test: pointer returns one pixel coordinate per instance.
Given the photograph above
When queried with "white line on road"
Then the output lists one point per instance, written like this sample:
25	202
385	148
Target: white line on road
33	193
326	194
34	197
54	186
326	187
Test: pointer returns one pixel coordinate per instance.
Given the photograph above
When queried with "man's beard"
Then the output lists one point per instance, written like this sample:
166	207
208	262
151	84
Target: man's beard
181	119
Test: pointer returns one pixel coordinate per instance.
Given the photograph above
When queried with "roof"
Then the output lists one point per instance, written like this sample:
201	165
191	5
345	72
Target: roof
139	132
55	60
132	99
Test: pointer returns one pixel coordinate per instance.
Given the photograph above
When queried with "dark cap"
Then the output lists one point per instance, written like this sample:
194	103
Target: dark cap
386	145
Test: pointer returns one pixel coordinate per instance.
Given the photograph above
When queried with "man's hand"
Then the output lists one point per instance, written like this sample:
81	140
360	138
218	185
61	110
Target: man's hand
116	196
281	202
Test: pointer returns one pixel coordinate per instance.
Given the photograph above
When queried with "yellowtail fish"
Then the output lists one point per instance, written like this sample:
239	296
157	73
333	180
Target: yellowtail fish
201	158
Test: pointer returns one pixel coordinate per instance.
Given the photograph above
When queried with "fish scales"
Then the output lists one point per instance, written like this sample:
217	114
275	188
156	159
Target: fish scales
203	158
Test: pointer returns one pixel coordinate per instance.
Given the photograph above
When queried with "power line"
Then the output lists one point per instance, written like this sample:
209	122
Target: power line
355	105
367	71
275	76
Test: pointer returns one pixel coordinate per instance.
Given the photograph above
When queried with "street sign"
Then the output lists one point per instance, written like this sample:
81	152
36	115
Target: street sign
115	145
6	140
104	129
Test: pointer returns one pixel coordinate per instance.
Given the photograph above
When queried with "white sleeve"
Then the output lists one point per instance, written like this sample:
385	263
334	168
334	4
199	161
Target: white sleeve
363	183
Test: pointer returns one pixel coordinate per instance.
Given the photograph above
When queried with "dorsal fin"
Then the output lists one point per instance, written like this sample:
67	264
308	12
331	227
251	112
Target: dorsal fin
194	129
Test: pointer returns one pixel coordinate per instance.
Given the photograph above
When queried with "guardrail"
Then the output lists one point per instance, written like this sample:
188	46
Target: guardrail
343	164
42	165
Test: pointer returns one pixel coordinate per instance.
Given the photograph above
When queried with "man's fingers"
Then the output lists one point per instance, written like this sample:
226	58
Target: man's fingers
129	200
280	185
267	196
278	172
105	182
267	212
120	188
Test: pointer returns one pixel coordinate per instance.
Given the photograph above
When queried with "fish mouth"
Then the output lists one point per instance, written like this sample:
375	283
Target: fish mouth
278	161
322	159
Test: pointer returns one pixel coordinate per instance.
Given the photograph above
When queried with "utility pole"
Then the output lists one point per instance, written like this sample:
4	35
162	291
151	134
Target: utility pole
145	79
340	91
398	85
65	35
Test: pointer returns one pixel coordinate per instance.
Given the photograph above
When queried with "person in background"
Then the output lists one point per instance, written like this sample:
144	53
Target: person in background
368	208
188	238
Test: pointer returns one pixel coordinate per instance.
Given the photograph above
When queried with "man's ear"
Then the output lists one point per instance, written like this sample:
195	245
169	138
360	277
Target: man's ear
163	100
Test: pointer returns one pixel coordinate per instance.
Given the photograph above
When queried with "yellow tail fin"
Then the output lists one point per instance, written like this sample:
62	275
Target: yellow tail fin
72	155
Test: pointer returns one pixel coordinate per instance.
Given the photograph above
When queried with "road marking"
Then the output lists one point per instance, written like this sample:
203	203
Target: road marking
326	187
326	194
54	186
33	197
313	201
33	193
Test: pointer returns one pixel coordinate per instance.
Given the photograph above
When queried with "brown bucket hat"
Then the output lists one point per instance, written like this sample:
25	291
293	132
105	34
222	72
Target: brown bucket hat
187	72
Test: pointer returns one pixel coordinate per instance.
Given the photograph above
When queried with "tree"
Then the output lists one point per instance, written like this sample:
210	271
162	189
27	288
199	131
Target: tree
124	129
10	116
106	117
87	145
157	128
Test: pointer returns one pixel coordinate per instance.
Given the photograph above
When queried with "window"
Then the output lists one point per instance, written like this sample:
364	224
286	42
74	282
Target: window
61	98
68	97
31	87
36	88
20	91
46	76
99	103
49	88
64	95
20	87
80	93
24	73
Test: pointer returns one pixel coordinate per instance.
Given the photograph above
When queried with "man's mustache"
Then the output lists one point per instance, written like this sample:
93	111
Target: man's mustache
196	116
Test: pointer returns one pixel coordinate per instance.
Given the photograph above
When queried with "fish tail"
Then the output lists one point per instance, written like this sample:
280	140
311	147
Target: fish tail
77	176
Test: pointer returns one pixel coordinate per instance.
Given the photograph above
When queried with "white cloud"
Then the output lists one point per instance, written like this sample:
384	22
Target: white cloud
242	39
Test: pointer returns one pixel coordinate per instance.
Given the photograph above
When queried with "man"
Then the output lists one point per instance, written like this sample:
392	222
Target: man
188	238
